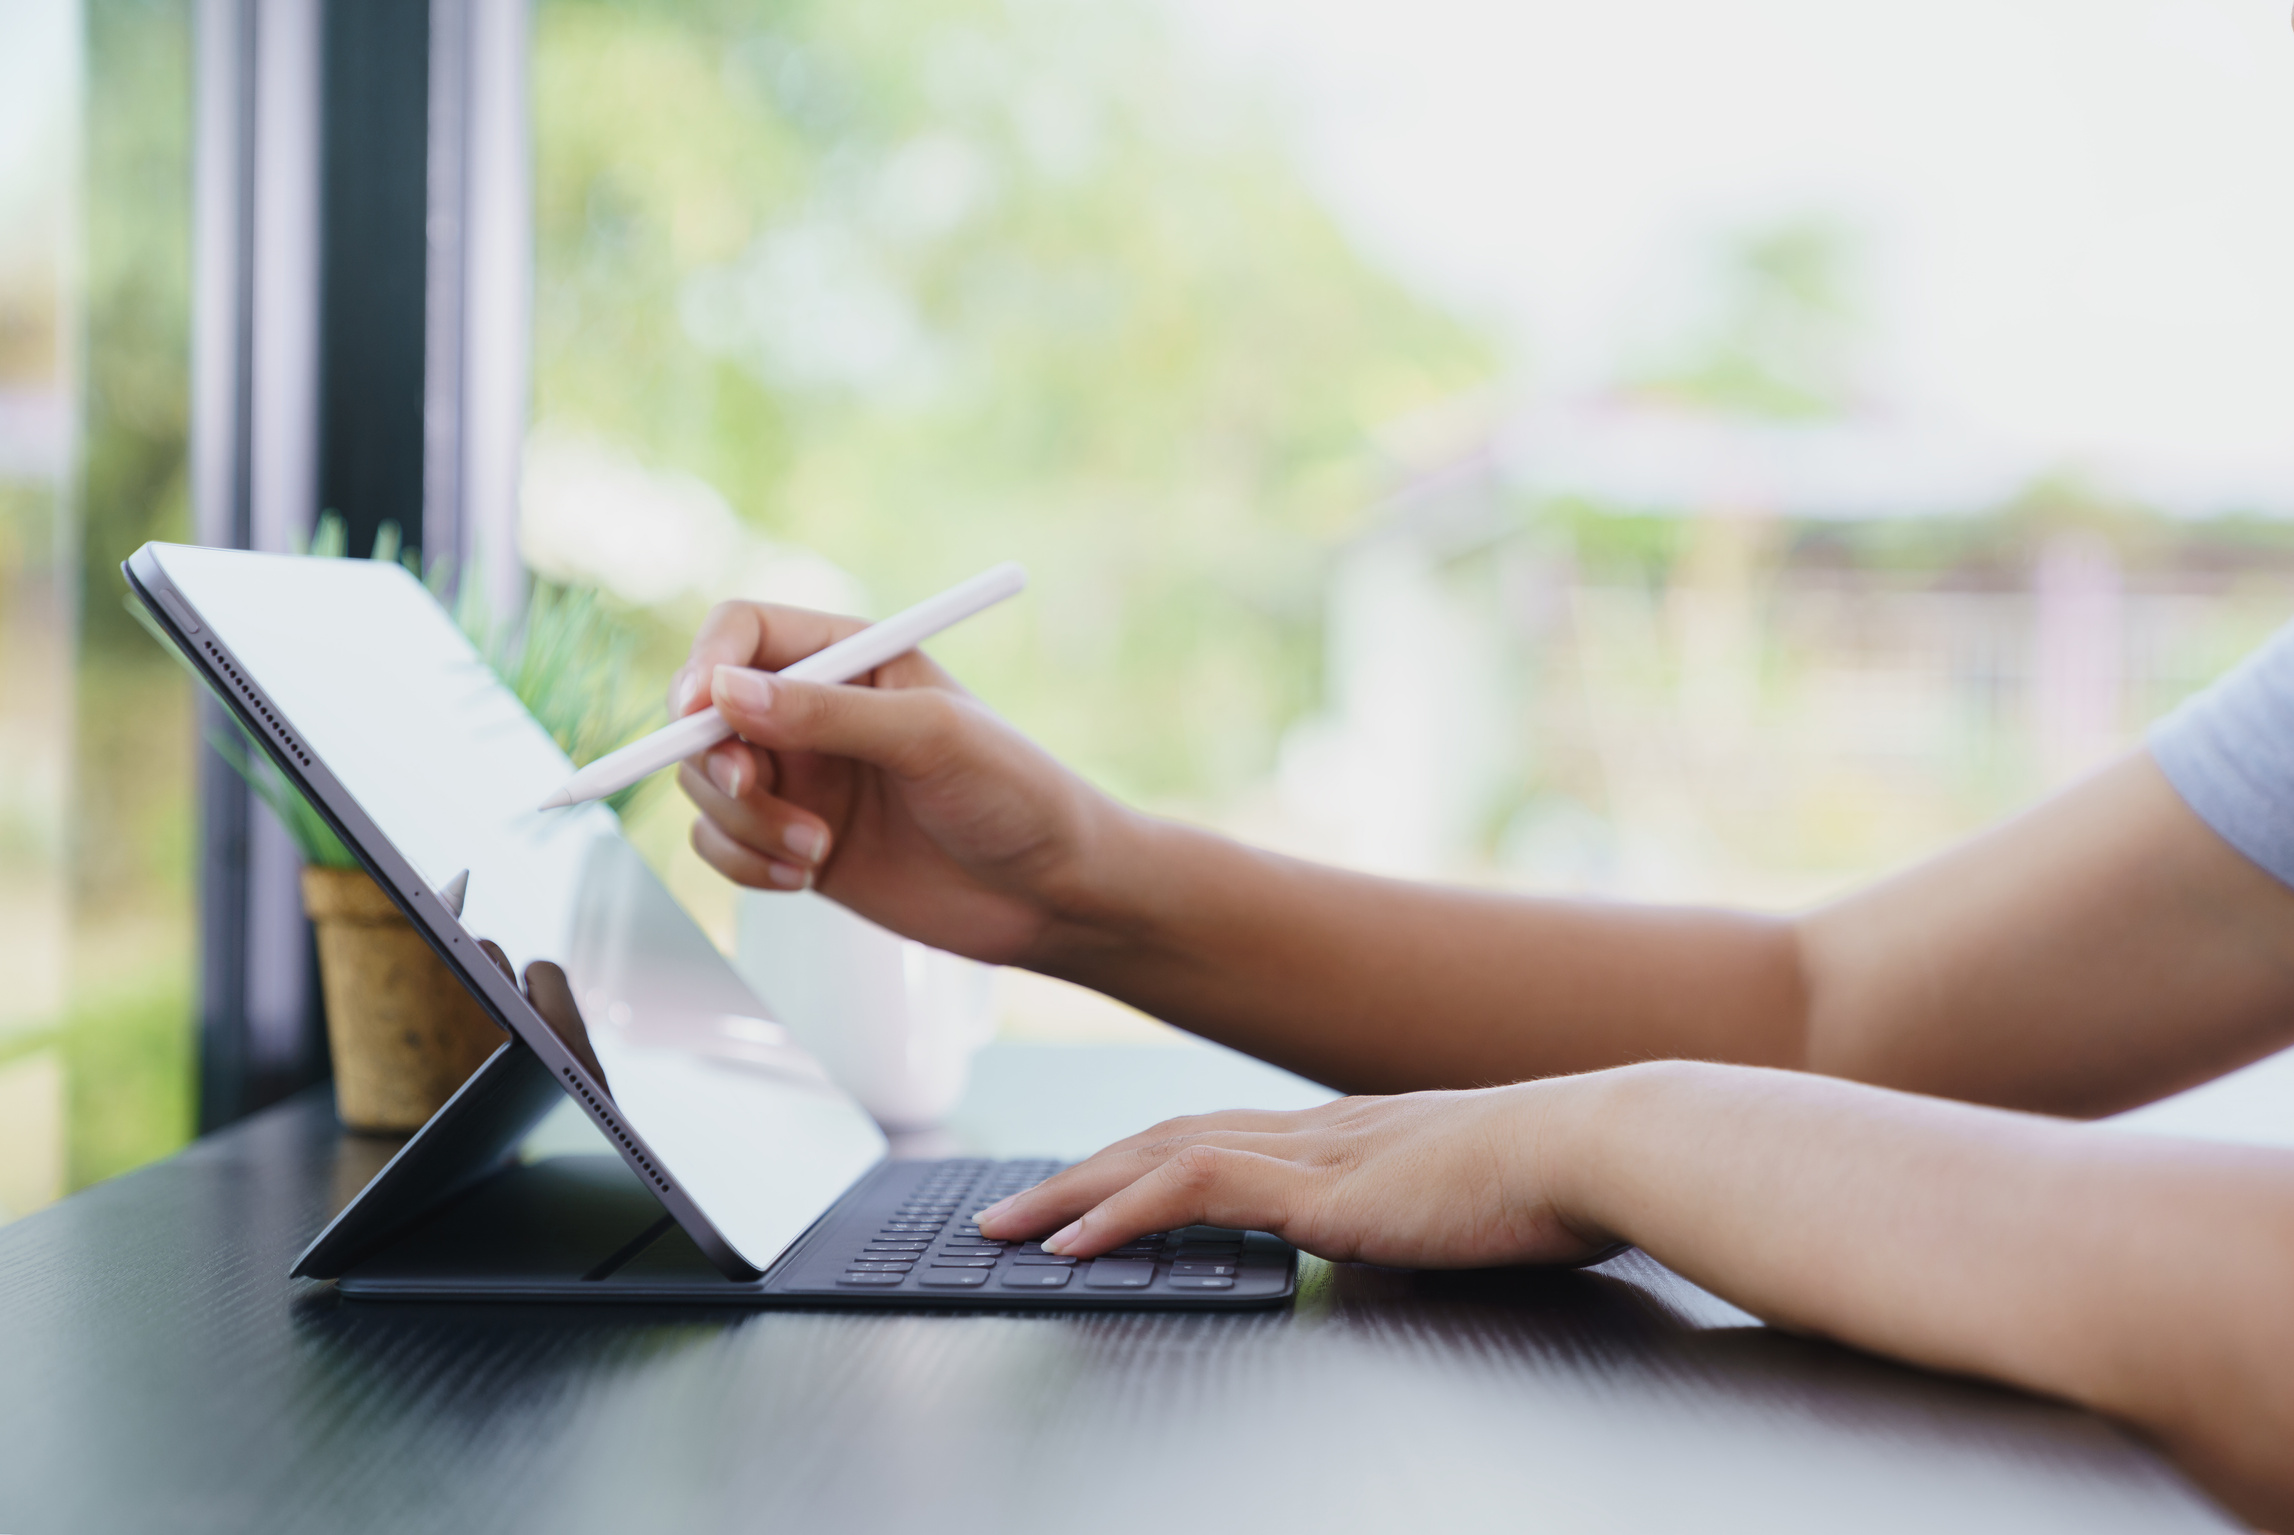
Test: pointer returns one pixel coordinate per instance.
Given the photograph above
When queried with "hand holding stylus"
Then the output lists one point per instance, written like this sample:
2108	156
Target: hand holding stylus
906	799
854	655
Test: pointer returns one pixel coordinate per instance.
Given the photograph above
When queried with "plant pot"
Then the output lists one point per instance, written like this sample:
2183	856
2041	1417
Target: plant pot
405	1033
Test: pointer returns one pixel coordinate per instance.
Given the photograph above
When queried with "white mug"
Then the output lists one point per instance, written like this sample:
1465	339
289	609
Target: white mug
895	1022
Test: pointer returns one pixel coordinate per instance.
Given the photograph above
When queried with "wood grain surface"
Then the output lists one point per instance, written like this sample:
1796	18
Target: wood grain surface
163	1374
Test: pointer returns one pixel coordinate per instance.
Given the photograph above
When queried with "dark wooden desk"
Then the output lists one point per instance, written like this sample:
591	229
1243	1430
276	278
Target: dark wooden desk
162	1374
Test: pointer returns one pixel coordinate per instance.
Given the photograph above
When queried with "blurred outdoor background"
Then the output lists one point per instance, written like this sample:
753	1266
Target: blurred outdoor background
1661	450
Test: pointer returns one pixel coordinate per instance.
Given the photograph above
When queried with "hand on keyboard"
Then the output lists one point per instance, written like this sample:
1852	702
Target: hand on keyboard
1421	1180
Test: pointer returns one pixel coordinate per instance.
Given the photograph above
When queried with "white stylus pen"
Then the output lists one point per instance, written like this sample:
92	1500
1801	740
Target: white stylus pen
840	662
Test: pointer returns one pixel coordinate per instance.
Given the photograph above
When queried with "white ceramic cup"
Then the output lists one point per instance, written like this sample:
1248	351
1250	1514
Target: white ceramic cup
895	1022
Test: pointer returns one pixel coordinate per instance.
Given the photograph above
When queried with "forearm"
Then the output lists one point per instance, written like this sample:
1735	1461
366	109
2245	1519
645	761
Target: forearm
2029	968
1379	985
2147	1279
2101	950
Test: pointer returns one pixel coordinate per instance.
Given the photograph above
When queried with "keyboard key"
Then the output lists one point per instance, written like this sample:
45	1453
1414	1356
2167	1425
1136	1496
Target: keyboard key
874	1261
1044	1258
1200	1282
898	1247
955	1261
953	1279
1033	1278
869	1277
1116	1274
1199	1268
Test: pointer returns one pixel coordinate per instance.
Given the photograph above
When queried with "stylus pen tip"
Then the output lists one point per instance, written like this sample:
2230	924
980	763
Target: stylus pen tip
557	801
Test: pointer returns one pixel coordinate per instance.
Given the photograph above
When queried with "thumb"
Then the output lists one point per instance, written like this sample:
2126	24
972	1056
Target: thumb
902	730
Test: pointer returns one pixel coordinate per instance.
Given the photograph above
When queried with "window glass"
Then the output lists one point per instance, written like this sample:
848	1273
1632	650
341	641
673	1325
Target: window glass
840	304
132	1040
95	725
1459	440
1466	441
36	120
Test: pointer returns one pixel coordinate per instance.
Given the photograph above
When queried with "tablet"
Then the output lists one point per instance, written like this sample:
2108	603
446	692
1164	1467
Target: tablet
365	693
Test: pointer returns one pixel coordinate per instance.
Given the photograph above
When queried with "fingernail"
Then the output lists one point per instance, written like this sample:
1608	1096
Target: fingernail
1060	1238
996	1209
787	875
725	772
681	690
742	688
808	842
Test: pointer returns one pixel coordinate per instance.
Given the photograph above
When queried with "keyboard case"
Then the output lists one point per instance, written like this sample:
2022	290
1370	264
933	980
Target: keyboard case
455	1216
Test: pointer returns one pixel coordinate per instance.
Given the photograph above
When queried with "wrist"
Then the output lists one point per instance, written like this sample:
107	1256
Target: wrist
1591	1135
1091	900
1120	900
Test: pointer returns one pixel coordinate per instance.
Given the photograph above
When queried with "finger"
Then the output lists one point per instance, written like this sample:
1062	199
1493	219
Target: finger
751	634
1203	1185
737	768
905	731
1059	1197
742	864
1067	1194
493	951
770	827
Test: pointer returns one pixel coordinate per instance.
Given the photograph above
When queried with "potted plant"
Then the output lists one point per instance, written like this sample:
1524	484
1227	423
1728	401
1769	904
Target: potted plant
403	1031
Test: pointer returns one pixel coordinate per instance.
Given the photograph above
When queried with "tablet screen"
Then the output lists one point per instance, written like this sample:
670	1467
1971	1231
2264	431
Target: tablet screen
385	692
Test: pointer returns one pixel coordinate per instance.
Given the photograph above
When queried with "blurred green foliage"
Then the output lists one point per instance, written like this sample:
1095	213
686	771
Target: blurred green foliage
131	1058
929	284
136	275
1782	340
568	660
128	1035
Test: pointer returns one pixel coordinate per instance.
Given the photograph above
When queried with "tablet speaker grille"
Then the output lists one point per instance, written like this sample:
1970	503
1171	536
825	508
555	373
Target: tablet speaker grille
613	1128
262	710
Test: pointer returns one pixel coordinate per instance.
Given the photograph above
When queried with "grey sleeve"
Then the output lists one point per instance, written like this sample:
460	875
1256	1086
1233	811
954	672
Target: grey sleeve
2229	752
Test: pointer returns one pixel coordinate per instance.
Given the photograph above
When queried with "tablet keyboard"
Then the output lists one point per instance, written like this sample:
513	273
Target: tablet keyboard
925	1242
